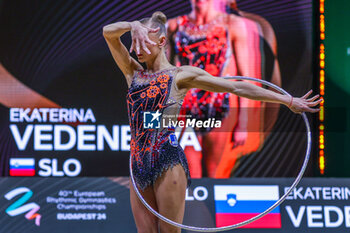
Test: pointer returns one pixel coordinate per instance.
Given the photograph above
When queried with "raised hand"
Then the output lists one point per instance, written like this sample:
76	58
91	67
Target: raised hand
139	36
240	137
302	104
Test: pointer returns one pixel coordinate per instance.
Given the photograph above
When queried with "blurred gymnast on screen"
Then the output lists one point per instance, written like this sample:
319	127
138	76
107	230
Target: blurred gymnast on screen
159	163
223	45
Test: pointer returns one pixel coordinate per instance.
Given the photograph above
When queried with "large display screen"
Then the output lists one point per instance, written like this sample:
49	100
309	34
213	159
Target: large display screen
335	85
63	99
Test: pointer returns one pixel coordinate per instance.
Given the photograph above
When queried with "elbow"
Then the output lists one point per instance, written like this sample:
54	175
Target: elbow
108	32
233	89
105	31
242	92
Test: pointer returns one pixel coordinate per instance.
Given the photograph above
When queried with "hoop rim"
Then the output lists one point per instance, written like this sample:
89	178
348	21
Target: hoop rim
277	203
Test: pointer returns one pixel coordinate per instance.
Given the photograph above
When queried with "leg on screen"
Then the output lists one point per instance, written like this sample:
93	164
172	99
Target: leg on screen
170	191
194	158
145	221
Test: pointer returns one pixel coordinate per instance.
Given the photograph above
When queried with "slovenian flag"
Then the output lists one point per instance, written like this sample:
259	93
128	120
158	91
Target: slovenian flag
237	203
22	167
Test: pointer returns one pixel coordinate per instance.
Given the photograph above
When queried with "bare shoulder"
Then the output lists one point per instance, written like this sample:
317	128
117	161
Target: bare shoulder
185	75
267	29
238	26
259	19
187	71
235	20
186	67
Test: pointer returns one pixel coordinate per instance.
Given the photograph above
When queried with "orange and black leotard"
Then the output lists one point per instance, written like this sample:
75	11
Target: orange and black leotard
153	149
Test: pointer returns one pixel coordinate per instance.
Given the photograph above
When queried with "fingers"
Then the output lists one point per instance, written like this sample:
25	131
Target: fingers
150	42
313	110
137	47
154	30
307	94
144	47
239	137
237	143
313	98
314	103
307	109
131	47
140	38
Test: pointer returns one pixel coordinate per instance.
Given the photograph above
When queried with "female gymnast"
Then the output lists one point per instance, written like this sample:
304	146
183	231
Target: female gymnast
159	164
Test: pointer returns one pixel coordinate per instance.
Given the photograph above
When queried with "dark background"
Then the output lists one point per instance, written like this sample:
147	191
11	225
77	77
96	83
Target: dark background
56	48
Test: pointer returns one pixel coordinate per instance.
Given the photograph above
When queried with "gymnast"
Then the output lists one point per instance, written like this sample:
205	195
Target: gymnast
159	164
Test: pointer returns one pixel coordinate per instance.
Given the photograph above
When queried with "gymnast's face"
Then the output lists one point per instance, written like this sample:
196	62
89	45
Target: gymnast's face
232	4
202	6
160	41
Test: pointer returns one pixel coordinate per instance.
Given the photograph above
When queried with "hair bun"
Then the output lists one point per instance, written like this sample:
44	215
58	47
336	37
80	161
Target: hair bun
160	17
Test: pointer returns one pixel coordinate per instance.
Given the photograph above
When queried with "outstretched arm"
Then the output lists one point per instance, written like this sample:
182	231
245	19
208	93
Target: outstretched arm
193	77
15	94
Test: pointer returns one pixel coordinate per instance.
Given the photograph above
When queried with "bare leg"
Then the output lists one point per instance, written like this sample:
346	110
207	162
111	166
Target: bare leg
170	191
145	221
194	159
213	147
217	140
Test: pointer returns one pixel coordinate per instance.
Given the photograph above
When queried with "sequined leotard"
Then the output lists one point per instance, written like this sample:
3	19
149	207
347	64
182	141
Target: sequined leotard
153	150
208	47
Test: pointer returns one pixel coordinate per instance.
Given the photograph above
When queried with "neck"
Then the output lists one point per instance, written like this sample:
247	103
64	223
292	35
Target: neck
203	17
160	62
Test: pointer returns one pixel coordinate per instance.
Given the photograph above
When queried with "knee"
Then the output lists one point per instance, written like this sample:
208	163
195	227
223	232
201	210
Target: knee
146	225
147	229
167	228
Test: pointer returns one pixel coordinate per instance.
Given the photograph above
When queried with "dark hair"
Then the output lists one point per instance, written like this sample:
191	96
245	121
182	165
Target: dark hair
158	19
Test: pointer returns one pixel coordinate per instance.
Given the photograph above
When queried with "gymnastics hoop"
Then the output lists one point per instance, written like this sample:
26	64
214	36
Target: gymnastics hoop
225	228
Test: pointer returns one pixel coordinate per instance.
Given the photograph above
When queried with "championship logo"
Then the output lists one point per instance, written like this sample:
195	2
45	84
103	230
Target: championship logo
19	206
